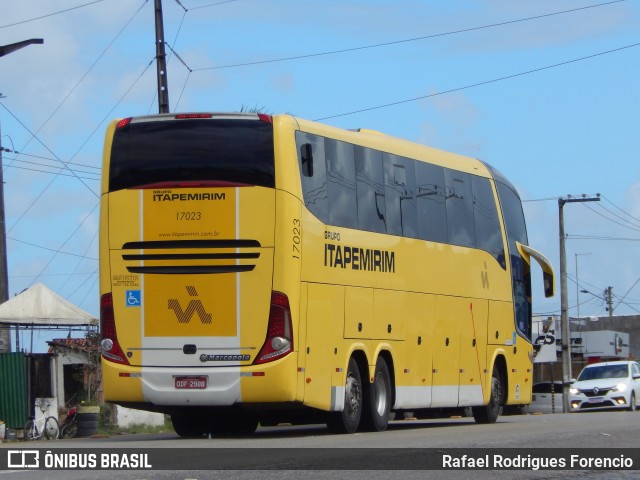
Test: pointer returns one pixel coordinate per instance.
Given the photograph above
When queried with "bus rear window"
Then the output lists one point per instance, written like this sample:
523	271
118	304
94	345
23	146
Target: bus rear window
176	151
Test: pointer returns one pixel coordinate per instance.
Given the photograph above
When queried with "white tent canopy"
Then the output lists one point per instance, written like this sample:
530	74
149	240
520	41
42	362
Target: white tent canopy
39	307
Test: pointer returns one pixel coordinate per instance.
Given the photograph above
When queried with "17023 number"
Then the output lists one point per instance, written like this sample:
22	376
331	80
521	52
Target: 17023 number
188	215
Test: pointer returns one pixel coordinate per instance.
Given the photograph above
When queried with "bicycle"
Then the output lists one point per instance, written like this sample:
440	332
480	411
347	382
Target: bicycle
69	428
50	427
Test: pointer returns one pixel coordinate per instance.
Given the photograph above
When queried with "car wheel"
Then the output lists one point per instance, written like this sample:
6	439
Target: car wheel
632	402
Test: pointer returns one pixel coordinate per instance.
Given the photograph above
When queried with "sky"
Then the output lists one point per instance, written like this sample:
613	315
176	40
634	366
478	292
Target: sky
544	91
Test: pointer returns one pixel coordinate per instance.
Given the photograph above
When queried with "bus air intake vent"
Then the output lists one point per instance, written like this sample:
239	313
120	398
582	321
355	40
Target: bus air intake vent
210	262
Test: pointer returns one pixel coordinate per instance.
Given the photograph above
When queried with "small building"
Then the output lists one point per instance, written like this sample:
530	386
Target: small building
593	339
76	367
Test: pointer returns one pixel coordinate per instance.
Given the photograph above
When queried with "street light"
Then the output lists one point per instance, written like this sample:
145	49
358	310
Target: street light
4	276
12	47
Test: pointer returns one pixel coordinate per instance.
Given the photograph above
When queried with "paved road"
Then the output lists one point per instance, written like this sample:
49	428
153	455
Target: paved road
312	447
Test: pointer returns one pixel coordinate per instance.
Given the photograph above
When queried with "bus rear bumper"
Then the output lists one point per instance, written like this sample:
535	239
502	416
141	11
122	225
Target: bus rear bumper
203	386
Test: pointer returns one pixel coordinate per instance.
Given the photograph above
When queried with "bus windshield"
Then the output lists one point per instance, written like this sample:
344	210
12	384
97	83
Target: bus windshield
171	152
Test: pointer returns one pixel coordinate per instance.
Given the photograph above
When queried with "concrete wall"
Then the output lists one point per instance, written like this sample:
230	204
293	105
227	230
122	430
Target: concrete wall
125	417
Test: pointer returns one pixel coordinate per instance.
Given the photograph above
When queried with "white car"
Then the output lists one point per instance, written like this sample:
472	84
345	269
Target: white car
606	385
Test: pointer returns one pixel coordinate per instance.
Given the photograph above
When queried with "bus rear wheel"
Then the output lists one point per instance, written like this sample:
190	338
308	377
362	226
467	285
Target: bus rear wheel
377	404
489	413
189	426
348	420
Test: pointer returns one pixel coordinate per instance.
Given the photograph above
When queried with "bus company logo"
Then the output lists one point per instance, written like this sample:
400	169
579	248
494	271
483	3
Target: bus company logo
187	197
23	459
224	358
195	307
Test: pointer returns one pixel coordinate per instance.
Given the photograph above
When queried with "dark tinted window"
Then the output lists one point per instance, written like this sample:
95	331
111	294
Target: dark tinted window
314	187
520	271
239	151
432	215
487	224
459	205
400	187
370	189
341	182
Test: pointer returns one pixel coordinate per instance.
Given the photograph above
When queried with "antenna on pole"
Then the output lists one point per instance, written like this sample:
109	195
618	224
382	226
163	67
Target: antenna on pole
161	61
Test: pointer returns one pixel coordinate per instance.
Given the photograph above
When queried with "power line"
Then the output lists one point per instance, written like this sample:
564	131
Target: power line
46	147
49	249
73	89
50	14
473	85
623	211
65	242
52	173
55	274
555	199
595	237
610	219
610	212
8	150
211	5
406	40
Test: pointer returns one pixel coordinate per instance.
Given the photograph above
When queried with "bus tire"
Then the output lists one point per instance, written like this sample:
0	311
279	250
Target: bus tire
377	402
189	426
489	413
348	420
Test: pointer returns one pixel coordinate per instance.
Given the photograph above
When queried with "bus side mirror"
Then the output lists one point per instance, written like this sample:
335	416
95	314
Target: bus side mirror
306	155
547	282
548	279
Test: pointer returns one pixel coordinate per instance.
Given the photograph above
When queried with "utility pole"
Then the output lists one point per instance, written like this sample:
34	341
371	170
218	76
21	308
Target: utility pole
161	61
5	338
608	296
564	303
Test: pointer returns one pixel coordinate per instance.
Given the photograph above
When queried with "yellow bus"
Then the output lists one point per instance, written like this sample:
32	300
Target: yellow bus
263	269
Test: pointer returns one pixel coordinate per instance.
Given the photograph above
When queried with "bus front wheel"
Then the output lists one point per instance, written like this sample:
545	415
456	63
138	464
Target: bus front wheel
377	404
348	420
489	413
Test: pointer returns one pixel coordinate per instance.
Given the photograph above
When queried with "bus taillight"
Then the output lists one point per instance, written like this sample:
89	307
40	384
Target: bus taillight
279	340
109	345
124	122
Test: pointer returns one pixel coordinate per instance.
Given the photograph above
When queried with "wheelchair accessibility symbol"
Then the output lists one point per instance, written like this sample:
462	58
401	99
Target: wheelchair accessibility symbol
133	298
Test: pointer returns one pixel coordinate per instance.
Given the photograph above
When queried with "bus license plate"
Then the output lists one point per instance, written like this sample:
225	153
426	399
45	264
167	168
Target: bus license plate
191	382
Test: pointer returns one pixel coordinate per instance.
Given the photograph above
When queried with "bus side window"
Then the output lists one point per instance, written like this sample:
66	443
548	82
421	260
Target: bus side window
341	184
487	223
306	156
400	193
314	186
459	205
432	216
370	190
